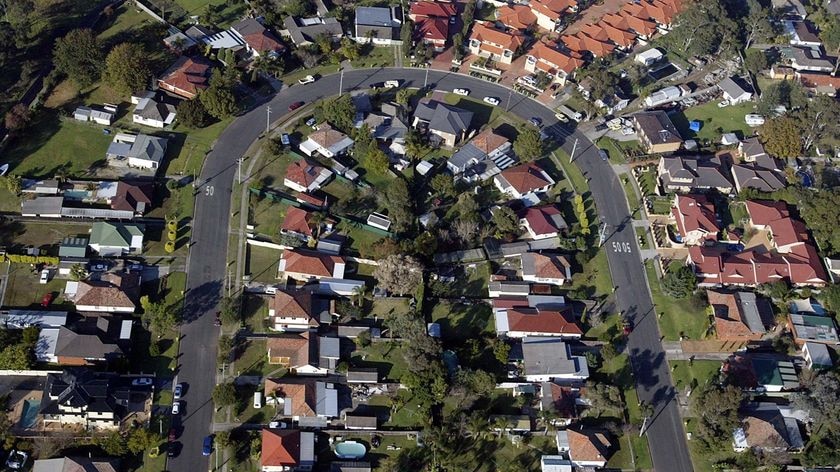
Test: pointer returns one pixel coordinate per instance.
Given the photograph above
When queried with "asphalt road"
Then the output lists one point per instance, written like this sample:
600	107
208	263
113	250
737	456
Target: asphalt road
207	263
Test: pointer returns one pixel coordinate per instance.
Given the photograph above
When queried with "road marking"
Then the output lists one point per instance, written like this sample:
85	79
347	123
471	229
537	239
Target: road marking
208	190
621	247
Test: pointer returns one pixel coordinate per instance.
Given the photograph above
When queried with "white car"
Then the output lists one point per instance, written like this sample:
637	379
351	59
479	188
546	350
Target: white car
45	276
460	91
723	104
491	100
176	408
16	460
392	83
306	80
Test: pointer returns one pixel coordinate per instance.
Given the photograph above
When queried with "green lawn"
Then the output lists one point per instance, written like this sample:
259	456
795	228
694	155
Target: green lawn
735	214
616	149
596	273
375	56
642	237
729	119
482	112
460	322
647	182
407	416
675	315
385	307
127	19
252	359
196	144
359	240
684	372
629	190
266	215
386	357
43	234
262	263
23	289
571	171
473	285
255	312
662	205
54	146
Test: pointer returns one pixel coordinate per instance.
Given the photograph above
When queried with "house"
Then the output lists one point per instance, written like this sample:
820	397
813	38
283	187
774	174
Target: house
294	311
287	450
813	329
137	150
298	222
81	398
751	149
154	113
550	13
649	57
304	177
446	123
623	39
786	233
734	91
657	132
767	431
816	356
808	60
303	264
582	43
558	65
543	222
694	173
378	25
764	173
495	45
552	463
695	218
305	31
431	22
307	401
761	372
102	117
73	247
820	83
303	353
186	77
116	239
114	292
545	268
585	448
177	41
131	196
327	142
484	156
521	321
524	182
547	357
257	39
644	27
76	464
563	402
737	316
663	12
802	33
517	17
86	342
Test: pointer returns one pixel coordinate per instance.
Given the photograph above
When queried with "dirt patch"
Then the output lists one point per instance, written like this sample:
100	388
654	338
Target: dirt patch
62	94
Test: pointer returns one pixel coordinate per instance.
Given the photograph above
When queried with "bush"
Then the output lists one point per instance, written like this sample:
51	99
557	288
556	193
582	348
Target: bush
154	349
172	235
169	247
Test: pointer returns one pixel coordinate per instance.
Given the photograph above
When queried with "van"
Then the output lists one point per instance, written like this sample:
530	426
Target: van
257	400
392	83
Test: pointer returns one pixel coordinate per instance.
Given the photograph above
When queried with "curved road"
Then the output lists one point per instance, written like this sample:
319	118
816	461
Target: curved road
209	244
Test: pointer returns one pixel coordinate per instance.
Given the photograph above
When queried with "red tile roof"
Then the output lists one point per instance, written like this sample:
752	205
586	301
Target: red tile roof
695	213
580	42
553	9
510	302
485	34
539	219
531	320
302	395
549	266
814	80
432	29
437	9
487	141
280	448
264	41
294	305
764	212
186	77
558	60
303	173
525	177
293	346
516	16
729	325
311	262
625	20
297	221
588	446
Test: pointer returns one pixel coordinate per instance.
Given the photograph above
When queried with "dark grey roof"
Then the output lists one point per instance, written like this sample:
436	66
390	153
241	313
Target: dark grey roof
751	316
362	375
79	388
732	88
248	26
754	175
522	288
698	171
376	16
154	110
303	33
544	355
198	32
85	346
326	400
329	347
444	118
657	126
355	466
42	206
808	58
751	147
360	422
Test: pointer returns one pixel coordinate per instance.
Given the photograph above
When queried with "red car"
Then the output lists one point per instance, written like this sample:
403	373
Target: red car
172	434
47	299
295	106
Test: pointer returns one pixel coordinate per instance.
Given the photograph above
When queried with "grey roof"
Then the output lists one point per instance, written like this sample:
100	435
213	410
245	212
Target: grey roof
198	32
326	400
355	466
76	464
152	109
495	250
657	126
699	171
328	347
22	318
468	153
459	256
96	213
85	346
753	175
307	31
73	247
444	118
750	314
362	375
248	26
361	100
819	354
807	58
150	148
521	288
544	355
732	88
751	148
42	206
375	16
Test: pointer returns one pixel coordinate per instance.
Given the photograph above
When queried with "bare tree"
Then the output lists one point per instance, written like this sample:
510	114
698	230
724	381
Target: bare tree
465	229
399	274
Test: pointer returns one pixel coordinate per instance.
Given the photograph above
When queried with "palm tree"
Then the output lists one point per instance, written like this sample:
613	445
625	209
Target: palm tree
316	219
359	294
501	423
478	428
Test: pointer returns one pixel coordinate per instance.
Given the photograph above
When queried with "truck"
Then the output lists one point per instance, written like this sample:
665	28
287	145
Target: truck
575	115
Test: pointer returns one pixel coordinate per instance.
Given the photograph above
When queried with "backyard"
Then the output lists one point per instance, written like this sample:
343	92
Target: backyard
262	263
714	121
676	316
387	357
690	374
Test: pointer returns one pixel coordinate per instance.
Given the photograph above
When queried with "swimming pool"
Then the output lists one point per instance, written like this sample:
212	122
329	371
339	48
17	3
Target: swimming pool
29	414
350	450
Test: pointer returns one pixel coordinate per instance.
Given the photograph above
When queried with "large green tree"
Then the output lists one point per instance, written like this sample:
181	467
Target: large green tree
528	145
340	112
218	98
127	68
192	114
397	201
704	29
506	222
781	137
78	55
716	410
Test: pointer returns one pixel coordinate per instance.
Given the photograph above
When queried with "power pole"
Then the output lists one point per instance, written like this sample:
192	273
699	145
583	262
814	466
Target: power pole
239	169
426	79
574	148
340	81
267	119
602	233
510	94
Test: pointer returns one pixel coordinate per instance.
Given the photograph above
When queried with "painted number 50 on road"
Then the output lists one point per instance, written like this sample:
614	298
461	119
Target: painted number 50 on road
621	247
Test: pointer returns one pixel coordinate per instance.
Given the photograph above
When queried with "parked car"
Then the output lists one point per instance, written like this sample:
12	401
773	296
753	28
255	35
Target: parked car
392	83
176	408
723	104
306	80
178	391
460	91
278	425
561	117
98	267
492	100
207	447
135	267
172	434
284	139
17	459
603	154
172	449
536	121
45	276
295	106
311	122
377	85
142	382
46	299
218	320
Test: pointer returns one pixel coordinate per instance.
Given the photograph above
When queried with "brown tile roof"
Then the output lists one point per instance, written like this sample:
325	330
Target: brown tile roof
303	173
563	400
130	196
432	28
294	346
588	446
296	305
297	220
310	262
516	16
485	34
434	9
728	321
624	20
326	136
301	394
525	177
532	320
761	432
264	41
813	80
488	141
114	290
187	76
550	266
280	448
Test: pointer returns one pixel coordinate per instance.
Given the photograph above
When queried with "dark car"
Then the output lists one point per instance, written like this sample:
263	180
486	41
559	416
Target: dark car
295	106
47	299
172	434
207	448
217	321
377	85
172	449
627	326
536	121
603	154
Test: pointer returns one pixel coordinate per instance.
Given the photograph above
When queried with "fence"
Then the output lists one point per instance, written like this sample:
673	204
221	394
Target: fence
149	11
267	244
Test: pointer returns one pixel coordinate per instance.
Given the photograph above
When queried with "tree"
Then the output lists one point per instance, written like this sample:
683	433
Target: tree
679	282
506	221
350	49
467	208
830	297
819	121
308	55
192	114
820	401
226	346
398	202
157	316
18	118
425	244
704	29
443	185
608	352
113	444
141	439
756	61
16	357
377	161
467	17
222	439
78	55
716	409
12	183
218	98
830	36
787	93
229	308
404	96
781	137
501	351
605	400
399	274
340	113
528	145
224	395
466	229
757	25
604	82
127	68
779	290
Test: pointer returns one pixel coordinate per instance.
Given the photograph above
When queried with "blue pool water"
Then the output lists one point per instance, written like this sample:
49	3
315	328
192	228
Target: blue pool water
350	450
76	194
29	414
